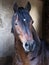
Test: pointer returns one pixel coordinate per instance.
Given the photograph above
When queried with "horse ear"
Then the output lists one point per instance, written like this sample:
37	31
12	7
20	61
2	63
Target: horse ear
28	6
15	7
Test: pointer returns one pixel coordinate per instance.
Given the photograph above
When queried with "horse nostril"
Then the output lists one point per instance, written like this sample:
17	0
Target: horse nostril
26	44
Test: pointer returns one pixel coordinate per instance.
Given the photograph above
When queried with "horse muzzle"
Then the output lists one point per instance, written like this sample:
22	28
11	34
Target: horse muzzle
29	46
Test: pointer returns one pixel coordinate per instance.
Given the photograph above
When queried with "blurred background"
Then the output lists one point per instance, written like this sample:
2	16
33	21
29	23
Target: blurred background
39	13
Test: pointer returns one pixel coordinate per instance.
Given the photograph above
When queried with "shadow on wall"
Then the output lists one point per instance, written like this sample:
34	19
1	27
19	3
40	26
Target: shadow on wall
6	12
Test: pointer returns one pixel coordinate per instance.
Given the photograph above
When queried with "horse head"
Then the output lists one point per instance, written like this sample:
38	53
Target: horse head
22	26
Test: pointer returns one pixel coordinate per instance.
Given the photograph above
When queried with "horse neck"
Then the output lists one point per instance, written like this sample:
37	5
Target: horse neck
20	52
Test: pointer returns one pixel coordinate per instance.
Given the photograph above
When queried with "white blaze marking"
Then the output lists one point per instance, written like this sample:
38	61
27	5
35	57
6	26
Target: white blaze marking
24	19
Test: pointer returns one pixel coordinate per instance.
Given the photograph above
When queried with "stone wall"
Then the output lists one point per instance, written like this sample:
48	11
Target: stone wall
6	38
6	12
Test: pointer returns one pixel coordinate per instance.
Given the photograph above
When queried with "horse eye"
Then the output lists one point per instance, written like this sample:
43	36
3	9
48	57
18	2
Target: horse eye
15	23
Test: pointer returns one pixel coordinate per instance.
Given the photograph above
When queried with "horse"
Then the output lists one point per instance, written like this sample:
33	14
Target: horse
29	48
